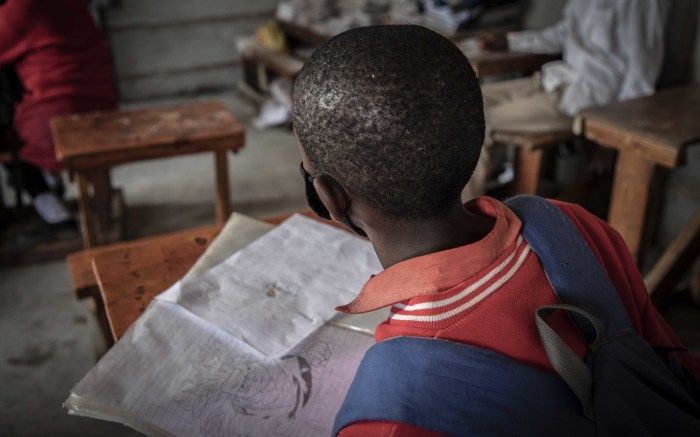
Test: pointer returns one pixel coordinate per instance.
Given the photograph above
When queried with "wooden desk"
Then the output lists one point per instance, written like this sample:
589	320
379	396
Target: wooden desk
85	284
647	133
89	144
131	274
488	64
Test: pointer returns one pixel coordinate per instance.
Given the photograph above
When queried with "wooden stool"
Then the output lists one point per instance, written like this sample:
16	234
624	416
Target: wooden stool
528	156
90	144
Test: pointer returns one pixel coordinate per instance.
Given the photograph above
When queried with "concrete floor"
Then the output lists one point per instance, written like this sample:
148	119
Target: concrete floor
49	340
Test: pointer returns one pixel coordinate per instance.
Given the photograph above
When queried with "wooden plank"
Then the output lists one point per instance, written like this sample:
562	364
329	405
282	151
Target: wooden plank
186	128
112	158
527	173
675	261
630	196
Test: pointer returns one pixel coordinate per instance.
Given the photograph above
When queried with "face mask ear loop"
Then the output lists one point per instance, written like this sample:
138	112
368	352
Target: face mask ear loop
312	198
317	206
346	219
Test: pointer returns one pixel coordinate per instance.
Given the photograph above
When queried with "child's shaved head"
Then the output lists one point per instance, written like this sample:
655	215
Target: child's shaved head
395	114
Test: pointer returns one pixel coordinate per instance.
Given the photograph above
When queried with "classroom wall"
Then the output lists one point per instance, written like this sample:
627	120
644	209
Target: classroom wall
179	47
543	13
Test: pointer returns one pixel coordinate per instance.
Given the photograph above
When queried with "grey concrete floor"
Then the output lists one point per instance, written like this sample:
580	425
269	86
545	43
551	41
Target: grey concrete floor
49	340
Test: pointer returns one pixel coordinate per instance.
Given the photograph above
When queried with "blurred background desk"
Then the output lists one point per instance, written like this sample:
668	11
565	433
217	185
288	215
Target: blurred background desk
648	133
90	144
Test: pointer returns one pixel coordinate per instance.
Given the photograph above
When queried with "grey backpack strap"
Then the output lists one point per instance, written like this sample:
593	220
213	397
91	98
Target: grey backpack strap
564	360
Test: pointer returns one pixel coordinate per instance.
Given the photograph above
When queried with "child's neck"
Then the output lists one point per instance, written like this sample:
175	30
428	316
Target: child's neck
400	241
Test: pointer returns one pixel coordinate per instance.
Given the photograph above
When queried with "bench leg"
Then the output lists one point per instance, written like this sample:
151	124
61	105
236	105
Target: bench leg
223	201
93	300
102	197
528	163
86	221
95	201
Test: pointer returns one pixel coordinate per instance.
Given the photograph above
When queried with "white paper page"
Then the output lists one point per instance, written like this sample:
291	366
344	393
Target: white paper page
282	287
174	374
238	232
241	230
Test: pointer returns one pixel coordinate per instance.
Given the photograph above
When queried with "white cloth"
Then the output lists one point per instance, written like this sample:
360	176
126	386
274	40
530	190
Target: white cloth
612	50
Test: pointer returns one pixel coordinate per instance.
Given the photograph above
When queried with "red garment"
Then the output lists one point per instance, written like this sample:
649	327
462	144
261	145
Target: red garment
58	54
485	294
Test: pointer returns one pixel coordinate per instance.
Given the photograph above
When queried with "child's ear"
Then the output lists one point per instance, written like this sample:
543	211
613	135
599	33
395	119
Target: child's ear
332	198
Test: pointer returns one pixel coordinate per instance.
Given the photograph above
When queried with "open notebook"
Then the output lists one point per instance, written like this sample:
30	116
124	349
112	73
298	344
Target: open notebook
243	347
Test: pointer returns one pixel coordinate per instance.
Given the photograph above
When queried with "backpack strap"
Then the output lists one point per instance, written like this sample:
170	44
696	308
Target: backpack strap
580	283
574	272
404	379
458	390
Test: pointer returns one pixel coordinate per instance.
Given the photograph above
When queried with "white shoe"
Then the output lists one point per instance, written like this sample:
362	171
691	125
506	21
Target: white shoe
50	208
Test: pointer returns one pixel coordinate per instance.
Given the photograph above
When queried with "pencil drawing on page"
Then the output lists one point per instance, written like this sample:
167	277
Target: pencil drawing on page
234	395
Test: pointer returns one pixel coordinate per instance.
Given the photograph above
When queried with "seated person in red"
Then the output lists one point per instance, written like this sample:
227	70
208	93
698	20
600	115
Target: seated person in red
63	65
387	119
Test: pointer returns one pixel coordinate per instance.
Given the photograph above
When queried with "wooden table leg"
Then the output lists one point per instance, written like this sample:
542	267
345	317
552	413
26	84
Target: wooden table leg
223	201
102	197
86	221
630	198
527	172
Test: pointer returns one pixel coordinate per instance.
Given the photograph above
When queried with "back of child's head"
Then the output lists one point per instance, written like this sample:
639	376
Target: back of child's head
395	114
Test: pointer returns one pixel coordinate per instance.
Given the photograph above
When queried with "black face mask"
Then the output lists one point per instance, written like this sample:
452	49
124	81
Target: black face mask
318	207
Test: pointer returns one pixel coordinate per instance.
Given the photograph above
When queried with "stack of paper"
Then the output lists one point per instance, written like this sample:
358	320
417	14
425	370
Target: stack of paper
242	348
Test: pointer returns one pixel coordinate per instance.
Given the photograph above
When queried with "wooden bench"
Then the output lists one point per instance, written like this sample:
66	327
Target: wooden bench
529	152
90	144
